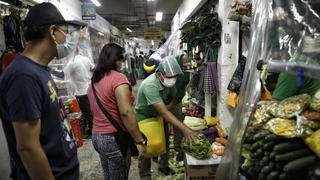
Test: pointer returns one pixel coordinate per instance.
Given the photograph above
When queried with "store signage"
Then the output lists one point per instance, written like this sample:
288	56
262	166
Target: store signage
88	11
152	33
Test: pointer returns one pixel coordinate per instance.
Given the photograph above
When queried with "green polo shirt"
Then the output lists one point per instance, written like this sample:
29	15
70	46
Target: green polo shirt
287	86
181	84
150	92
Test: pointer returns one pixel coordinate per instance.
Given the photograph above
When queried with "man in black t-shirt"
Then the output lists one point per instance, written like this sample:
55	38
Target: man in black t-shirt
40	144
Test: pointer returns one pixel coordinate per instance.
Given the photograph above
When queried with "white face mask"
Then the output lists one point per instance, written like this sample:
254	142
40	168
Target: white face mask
169	82
68	46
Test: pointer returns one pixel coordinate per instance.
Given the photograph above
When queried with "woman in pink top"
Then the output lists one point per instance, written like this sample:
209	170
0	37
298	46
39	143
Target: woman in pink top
114	92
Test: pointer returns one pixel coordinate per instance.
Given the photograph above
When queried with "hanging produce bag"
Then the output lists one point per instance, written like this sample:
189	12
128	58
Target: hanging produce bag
313	142
153	129
292	106
236	79
266	95
262	113
283	127
315	102
232	99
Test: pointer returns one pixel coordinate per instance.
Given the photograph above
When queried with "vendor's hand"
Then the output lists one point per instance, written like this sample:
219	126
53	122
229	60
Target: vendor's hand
142	150
189	135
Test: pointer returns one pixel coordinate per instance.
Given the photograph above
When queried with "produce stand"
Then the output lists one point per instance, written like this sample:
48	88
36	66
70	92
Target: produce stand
277	138
205	169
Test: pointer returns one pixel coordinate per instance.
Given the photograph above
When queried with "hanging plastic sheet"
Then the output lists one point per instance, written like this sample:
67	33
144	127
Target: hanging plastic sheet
79	65
284	31
170	47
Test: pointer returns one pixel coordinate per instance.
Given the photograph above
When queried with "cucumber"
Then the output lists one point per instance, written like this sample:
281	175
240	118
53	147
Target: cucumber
249	140
273	175
279	166
288	146
292	155
268	145
260	136
262	176
264	161
253	155
283	176
272	156
256	146
273	137
259	153
267	169
300	163
267	153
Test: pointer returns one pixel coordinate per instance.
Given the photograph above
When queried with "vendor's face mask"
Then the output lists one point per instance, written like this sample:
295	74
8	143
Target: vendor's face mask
69	45
169	82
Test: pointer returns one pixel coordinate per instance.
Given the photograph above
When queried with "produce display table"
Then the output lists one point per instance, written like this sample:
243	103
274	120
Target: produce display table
200	169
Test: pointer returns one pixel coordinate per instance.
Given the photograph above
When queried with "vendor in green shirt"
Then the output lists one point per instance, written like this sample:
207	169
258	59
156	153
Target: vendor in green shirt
287	86
155	96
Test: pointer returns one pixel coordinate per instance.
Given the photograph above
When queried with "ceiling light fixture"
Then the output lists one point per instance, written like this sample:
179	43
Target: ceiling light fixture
150	0
152	42
100	33
38	1
96	2
159	16
4	3
129	30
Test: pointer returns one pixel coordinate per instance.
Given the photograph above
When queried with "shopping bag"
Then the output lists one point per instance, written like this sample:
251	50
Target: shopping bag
153	129
265	95
232	99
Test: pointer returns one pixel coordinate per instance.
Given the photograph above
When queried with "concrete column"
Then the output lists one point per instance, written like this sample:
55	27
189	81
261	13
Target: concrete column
227	61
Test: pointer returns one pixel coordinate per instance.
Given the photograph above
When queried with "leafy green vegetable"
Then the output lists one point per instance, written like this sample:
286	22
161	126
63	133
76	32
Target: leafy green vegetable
200	148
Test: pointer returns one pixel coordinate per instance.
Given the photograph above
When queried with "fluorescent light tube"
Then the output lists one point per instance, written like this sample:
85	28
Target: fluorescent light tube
4	3
159	16
129	30
96	2
39	1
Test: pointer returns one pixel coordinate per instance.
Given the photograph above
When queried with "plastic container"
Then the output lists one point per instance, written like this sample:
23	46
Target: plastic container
74	105
75	124
153	129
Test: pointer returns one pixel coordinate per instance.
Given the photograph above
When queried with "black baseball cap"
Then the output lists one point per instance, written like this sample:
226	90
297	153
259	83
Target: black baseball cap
47	14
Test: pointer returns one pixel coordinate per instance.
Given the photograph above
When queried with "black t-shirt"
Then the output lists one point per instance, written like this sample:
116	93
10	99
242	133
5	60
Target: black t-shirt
27	92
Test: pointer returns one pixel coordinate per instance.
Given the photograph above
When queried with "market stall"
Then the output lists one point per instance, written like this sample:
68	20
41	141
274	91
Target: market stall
275	135
198	47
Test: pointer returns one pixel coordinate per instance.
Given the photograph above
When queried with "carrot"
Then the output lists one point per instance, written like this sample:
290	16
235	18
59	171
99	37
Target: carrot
220	131
222	141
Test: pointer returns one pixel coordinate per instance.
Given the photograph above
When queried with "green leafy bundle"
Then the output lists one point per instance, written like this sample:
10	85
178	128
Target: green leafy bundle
200	148
202	31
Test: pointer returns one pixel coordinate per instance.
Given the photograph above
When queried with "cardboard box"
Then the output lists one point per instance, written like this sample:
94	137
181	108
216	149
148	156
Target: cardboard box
200	172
